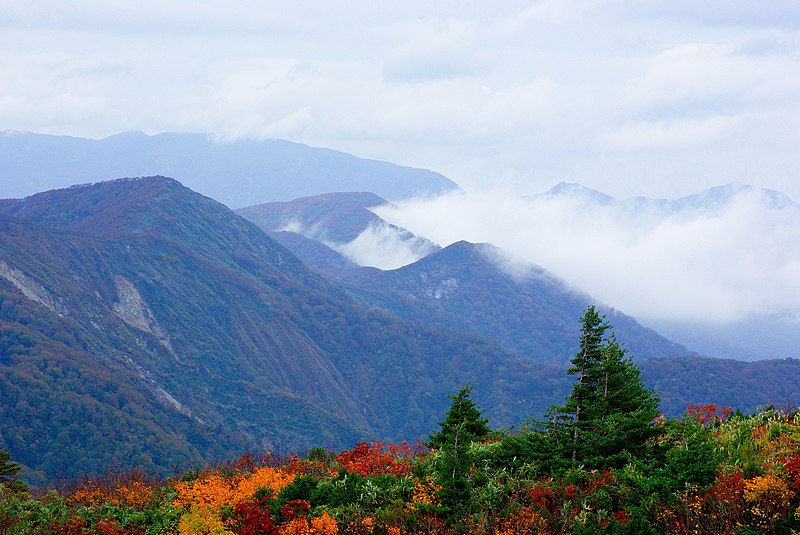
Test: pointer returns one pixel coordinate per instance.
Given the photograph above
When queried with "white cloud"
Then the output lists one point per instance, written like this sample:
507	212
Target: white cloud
671	135
432	49
695	265
527	93
384	247
543	12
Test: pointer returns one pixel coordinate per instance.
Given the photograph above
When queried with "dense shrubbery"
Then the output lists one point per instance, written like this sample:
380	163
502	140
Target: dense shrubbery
602	464
741	475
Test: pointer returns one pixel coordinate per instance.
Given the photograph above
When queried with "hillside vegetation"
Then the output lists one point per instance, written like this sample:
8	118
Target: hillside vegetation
601	463
141	319
144	324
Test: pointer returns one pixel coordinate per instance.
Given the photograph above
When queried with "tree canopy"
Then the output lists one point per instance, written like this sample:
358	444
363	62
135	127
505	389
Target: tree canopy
609	414
463	422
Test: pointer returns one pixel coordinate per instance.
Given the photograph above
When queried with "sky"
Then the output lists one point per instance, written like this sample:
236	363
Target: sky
506	98
629	97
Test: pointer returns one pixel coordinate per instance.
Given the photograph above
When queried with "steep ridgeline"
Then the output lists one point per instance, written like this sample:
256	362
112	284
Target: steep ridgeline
236	173
144	324
343	222
475	288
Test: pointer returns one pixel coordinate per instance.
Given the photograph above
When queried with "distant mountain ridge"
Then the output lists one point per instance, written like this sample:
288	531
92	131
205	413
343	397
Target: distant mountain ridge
237	173
708	200
209	338
343	221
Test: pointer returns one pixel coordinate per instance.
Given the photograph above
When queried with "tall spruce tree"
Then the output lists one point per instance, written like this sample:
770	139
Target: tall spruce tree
461	426
462	423
609	414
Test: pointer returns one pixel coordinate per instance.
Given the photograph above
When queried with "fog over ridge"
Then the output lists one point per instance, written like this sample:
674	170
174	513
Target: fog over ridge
717	257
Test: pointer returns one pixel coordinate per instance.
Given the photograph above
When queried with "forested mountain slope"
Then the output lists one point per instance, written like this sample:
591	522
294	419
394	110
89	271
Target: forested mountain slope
139	310
475	288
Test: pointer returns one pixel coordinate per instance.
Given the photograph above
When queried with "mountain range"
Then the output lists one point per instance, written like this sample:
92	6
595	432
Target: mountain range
145	324
468	287
237	173
139	316
734	244
706	201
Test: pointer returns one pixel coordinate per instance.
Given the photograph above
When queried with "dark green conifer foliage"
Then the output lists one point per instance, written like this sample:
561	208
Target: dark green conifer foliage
462	424
609	414
9	471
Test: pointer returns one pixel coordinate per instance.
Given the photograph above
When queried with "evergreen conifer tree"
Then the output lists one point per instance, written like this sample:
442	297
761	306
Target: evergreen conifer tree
9	471
609	414
462	425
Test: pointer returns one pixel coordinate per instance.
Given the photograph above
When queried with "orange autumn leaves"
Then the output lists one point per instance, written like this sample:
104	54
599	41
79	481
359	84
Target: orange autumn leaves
237	499
753	482
376	458
214	491
132	489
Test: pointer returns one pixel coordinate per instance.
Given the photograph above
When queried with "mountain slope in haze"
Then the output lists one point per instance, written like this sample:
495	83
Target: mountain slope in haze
474	287
757	229
329	217
343	222
753	338
710	200
183	332
237	173
469	287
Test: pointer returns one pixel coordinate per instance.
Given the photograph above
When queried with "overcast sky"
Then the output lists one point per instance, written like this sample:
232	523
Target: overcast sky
630	97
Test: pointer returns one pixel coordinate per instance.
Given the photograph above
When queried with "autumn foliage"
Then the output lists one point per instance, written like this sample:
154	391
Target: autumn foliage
711	473
377	458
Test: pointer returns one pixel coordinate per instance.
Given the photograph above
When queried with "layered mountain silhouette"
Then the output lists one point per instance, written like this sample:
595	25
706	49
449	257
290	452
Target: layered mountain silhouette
471	287
143	324
139	316
236	173
345	223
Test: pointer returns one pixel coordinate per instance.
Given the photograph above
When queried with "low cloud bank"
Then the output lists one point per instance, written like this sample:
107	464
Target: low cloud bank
717	263
384	247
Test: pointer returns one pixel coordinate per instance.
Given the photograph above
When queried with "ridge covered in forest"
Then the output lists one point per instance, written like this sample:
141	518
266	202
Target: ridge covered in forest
146	325
600	463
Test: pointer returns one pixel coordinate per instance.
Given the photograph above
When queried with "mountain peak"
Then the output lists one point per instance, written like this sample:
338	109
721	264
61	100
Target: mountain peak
720	196
578	191
116	208
237	173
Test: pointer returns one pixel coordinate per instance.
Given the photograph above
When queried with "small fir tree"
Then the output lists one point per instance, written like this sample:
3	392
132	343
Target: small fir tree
609	414
462	425
463	422
9	471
